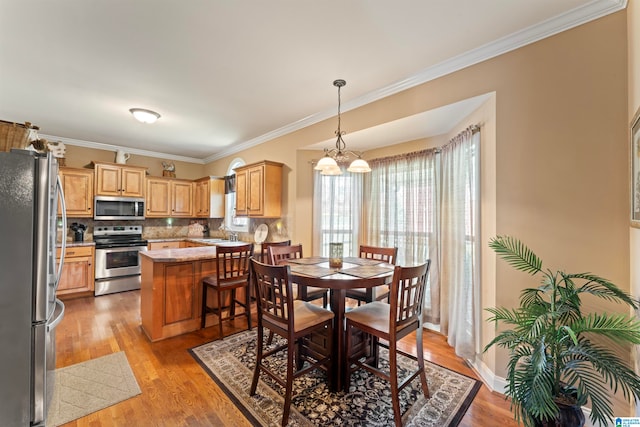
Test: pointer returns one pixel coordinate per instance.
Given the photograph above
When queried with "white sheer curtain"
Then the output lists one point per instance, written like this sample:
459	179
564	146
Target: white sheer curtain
459	269
427	204
337	207
401	211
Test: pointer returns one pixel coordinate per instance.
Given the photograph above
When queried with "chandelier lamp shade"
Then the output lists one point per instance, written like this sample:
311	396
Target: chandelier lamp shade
144	116
328	165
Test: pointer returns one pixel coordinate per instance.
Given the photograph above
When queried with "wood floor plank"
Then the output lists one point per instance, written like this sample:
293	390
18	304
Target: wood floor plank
176	391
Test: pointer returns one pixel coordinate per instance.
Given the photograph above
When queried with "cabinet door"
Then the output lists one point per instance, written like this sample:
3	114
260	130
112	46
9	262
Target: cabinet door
77	185
202	199
216	198
108	180
182	198
255	197
132	182
77	272
241	193
158	201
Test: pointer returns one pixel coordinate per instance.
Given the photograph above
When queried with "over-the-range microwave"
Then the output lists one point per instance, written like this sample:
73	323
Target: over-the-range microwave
118	208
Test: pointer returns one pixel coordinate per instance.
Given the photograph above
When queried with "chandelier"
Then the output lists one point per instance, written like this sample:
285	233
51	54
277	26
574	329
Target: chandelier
328	165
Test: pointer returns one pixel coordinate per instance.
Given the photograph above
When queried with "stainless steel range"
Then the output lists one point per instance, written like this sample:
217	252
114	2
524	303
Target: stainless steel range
118	258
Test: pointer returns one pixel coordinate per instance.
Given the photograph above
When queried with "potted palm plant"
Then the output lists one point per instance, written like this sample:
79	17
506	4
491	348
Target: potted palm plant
556	362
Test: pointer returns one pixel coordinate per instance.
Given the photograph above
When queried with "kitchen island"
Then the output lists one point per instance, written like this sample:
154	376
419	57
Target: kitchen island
171	289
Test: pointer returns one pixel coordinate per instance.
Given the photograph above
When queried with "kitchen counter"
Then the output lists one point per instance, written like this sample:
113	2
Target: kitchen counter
171	288
189	254
206	240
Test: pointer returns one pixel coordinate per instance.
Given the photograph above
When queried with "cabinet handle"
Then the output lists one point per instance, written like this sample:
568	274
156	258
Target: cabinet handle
70	253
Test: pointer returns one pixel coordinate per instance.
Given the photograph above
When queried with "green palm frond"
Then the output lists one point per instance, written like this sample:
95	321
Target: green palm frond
603	288
516	254
617	327
549	352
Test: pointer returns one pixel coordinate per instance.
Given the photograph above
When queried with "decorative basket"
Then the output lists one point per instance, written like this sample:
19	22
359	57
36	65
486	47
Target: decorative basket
13	135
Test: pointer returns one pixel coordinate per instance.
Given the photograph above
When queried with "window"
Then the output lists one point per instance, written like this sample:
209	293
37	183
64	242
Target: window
231	221
337	207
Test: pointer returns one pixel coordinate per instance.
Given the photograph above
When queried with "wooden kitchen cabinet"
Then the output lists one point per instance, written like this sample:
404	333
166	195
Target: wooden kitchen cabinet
78	275
171	295
77	185
209	197
113	179
168	197
259	190
182	199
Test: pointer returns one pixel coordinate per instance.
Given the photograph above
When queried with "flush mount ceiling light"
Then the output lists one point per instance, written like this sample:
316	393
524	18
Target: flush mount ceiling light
144	116
328	165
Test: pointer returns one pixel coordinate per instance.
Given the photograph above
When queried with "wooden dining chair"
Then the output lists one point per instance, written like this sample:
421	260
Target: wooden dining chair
294	320
391	322
232	273
264	248
281	254
378	293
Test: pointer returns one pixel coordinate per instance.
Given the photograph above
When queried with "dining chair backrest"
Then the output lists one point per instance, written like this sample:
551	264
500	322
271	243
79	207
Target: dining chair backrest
232	262
406	296
273	286
279	254
264	251
388	255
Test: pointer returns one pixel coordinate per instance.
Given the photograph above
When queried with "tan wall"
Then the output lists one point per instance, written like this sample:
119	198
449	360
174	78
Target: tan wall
633	37
561	151
79	157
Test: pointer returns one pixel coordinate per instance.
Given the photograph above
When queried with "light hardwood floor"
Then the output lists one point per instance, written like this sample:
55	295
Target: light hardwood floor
176	391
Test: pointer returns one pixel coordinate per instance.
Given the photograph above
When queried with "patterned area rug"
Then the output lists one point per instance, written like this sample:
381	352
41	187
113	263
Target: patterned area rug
90	386
230	363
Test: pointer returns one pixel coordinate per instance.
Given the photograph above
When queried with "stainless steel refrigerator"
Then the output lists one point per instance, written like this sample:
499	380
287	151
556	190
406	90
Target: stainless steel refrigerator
29	275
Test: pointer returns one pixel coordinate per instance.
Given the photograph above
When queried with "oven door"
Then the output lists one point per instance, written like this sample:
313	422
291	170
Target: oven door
117	262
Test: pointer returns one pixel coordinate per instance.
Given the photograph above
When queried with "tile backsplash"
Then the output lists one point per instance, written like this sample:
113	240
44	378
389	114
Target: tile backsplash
169	228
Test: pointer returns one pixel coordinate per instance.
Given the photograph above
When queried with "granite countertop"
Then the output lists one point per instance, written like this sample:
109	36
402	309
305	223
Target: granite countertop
207	240
187	254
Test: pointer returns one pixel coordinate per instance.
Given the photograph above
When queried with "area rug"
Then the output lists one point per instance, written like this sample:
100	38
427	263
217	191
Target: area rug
90	386
230	364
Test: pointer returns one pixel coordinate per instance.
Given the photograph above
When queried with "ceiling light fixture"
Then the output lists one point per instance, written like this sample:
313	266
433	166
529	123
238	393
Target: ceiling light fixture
328	165
144	116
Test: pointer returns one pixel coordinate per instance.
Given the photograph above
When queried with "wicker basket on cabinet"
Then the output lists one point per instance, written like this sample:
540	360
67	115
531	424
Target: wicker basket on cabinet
13	135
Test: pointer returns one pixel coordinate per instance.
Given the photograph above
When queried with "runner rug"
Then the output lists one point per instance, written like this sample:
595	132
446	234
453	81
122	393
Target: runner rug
230	364
89	386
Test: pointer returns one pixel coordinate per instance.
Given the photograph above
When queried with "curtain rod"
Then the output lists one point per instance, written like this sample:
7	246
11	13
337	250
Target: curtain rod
475	128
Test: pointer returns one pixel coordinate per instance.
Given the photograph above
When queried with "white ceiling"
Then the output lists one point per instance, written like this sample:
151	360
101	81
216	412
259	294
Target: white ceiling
229	74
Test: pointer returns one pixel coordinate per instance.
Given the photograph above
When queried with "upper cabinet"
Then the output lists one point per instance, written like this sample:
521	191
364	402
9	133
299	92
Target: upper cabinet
77	185
169	198
259	189
117	180
209	198
158	200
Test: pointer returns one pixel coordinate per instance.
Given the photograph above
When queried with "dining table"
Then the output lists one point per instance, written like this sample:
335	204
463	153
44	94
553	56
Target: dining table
354	273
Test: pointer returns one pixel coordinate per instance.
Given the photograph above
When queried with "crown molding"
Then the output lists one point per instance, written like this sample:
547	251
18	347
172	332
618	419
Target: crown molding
573	18
109	147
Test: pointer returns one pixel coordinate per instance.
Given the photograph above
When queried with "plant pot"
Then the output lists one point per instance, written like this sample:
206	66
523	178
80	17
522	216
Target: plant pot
569	416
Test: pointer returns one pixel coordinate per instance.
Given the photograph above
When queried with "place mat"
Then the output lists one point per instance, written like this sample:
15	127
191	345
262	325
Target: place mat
230	363
90	386
362	261
309	260
311	270
364	271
